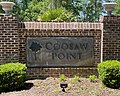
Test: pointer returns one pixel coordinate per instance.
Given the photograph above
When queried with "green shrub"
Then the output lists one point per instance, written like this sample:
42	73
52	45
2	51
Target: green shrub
12	76
109	73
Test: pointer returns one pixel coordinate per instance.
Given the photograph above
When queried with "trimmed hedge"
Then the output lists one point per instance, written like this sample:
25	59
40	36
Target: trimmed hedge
109	73
12	76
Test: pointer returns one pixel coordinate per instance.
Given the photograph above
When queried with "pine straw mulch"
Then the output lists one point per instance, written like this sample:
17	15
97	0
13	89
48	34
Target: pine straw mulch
51	87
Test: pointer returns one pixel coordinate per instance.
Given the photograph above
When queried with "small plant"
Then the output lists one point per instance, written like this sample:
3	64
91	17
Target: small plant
92	78
69	86
62	77
77	91
77	78
56	90
101	85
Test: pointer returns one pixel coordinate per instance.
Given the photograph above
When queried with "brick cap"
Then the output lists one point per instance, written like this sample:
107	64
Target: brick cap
61	25
109	19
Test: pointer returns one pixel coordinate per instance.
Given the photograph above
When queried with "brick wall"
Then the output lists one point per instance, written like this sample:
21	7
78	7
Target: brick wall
48	29
13	35
9	40
111	37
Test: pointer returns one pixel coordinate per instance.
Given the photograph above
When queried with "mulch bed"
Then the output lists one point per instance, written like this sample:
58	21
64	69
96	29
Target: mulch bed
51	87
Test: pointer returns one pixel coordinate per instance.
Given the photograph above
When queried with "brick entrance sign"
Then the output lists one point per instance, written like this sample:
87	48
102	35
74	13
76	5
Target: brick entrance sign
54	48
59	51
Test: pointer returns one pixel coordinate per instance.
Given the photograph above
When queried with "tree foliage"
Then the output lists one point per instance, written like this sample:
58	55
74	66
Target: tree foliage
83	10
34	8
60	14
117	9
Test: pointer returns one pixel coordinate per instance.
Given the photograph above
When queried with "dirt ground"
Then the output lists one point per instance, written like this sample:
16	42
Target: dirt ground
51	87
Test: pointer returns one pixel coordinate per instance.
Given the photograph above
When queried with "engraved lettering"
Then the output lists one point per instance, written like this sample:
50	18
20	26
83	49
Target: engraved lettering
76	47
83	46
67	56
64	46
61	56
71	46
79	55
49	46
56	46
72	56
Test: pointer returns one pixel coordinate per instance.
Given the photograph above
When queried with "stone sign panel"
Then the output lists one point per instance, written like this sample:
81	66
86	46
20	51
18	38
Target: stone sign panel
59	51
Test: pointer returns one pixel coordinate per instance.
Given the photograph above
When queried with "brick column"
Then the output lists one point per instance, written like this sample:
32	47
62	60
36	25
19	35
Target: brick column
9	39
111	37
